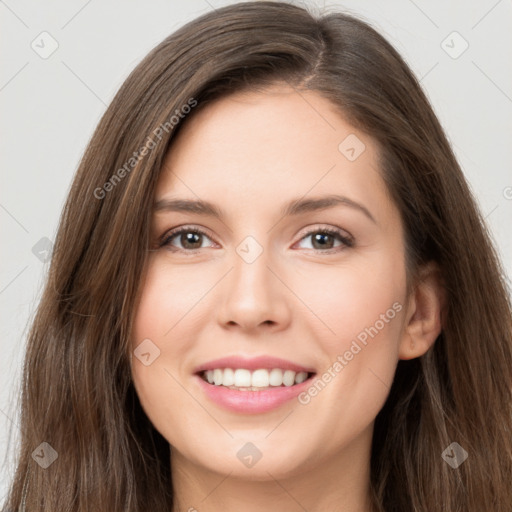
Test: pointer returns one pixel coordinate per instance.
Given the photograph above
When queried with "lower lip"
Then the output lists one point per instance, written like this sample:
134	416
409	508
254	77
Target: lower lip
252	402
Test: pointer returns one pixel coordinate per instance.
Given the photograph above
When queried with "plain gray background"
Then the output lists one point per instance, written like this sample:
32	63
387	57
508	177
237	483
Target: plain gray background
51	104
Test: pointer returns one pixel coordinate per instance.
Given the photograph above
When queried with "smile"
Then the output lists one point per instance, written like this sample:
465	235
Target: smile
252	386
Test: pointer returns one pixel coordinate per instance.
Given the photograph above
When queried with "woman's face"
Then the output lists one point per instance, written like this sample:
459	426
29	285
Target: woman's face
266	281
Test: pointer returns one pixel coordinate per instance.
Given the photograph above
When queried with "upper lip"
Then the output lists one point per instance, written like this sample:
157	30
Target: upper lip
253	363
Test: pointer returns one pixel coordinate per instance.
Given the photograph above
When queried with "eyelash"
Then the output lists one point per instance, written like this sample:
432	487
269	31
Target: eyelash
165	240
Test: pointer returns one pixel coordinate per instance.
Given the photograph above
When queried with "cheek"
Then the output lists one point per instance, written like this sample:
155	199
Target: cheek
165	310
347	300
358	321
168	298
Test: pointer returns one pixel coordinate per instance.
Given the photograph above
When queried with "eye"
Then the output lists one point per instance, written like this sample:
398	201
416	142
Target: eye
324	239
190	239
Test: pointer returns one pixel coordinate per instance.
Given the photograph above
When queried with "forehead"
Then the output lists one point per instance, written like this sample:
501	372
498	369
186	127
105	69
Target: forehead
268	147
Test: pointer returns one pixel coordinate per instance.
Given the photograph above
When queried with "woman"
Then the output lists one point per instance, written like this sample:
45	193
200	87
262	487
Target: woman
269	218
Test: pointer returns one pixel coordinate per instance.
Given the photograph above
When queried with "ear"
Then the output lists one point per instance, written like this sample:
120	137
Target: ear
423	322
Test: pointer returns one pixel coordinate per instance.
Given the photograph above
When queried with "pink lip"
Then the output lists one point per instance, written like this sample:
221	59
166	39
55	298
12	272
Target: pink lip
251	402
254	363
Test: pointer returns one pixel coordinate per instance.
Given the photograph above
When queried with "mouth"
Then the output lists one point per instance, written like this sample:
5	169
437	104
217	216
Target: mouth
252	386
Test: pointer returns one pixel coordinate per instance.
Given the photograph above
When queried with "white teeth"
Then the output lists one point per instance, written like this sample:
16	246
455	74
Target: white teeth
228	378
257	379
242	378
300	377
289	378
217	376
276	377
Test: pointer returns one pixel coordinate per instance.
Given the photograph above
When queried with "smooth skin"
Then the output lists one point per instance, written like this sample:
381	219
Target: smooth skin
250	154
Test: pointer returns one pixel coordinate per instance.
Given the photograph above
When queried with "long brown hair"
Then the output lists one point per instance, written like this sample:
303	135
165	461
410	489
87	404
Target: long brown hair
77	392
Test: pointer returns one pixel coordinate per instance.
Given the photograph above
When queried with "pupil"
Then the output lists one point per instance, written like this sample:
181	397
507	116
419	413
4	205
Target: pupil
320	238
191	238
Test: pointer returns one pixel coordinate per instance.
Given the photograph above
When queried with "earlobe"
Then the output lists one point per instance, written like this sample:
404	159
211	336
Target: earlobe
423	322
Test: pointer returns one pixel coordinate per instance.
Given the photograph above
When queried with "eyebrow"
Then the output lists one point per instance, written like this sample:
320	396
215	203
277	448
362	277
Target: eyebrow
294	207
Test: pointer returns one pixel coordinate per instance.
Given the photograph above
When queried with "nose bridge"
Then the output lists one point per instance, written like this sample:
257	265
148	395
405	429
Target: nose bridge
251	275
252	293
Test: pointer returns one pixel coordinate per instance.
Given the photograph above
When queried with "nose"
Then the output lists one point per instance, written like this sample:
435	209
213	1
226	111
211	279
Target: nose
253	296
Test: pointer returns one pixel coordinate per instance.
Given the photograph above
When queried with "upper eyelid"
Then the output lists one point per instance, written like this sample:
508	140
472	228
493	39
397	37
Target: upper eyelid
192	227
